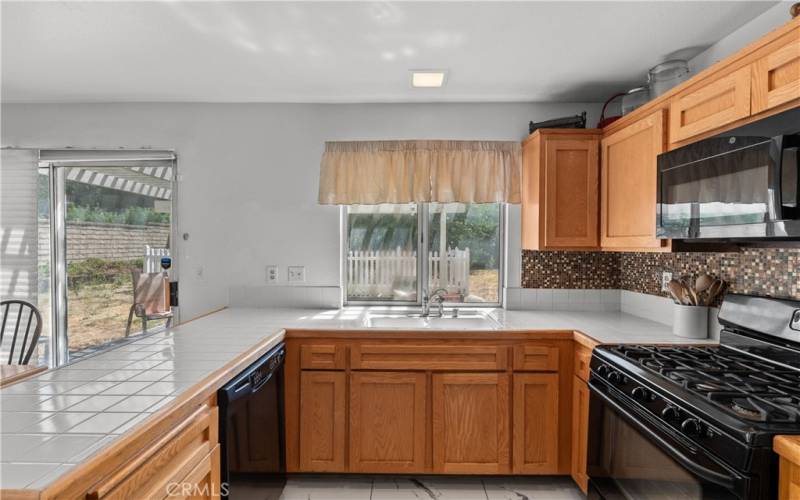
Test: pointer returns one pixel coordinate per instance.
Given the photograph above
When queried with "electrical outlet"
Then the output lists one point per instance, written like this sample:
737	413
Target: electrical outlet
272	274
666	277
297	273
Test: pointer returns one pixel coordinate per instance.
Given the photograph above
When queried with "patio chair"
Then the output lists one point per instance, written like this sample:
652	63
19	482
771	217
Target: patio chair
150	299
19	314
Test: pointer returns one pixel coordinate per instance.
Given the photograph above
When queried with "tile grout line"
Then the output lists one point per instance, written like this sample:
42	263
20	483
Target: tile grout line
485	493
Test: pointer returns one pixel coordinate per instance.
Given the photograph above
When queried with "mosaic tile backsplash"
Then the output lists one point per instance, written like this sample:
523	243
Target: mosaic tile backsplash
759	271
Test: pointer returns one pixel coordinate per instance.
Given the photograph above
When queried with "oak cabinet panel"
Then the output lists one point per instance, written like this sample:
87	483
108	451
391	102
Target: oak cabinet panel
776	76
388	416
536	358
428	356
629	184
710	106
322	421
322	357
560	190
580	432
536	423
471	423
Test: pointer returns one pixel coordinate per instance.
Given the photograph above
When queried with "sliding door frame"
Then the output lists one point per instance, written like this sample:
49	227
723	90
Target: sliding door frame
59	354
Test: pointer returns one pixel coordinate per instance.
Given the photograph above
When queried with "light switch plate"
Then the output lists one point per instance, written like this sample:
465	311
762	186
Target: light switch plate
272	274
666	277
297	273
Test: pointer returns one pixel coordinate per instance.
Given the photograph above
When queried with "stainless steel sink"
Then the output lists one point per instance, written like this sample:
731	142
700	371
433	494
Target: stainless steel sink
402	321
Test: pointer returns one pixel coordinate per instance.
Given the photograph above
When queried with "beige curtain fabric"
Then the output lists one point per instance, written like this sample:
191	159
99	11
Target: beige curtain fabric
372	172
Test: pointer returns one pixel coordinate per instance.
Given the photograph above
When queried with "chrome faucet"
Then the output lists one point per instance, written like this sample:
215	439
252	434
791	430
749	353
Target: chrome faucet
438	297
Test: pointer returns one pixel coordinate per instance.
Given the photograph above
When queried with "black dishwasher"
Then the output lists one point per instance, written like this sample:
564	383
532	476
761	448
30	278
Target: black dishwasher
251	430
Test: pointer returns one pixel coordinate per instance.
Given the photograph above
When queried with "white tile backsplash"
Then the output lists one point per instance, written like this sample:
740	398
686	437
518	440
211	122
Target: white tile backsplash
549	299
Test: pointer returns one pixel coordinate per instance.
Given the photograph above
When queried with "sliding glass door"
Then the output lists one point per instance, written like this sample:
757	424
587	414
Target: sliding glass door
103	219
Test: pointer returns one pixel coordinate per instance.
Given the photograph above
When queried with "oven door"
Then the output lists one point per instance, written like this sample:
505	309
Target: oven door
631	457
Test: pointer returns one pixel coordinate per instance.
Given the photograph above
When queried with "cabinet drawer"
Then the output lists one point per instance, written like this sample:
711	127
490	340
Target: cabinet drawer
710	106
322	357
168	459
536	358
428	357
202	482
583	356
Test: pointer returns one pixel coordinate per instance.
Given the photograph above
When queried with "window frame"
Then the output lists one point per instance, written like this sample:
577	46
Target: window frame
423	211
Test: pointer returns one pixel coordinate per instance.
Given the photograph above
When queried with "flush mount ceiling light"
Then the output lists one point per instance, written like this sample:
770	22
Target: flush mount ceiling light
427	79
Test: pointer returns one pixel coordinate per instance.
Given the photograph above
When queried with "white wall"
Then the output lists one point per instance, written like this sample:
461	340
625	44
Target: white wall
773	18
249	172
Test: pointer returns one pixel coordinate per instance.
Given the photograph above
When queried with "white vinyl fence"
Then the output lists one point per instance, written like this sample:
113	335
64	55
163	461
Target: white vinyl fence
152	259
379	273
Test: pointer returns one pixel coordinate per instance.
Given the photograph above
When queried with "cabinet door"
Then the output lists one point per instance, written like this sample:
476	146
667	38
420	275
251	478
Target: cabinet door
203	482
387	421
789	480
628	179
536	423
776	76
712	105
580	431
471	423
571	179
322	421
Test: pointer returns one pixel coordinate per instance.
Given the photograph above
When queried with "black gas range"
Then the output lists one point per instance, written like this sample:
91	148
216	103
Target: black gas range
697	422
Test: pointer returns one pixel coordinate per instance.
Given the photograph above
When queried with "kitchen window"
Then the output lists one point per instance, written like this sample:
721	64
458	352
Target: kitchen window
396	253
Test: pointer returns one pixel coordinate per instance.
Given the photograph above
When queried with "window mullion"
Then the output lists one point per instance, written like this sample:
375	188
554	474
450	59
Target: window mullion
422	254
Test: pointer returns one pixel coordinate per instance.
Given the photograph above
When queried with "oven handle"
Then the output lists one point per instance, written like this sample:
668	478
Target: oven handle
729	481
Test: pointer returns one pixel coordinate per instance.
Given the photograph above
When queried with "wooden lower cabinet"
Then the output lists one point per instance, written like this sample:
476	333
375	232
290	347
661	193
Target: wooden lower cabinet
388	413
788	449
203	482
508	413
536	423
322	421
471	433
580	432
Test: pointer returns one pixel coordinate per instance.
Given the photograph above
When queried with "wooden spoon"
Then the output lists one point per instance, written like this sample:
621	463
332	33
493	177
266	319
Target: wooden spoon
676	290
689	293
703	282
714	290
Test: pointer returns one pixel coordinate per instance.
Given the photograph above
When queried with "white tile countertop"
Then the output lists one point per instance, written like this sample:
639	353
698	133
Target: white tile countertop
54	420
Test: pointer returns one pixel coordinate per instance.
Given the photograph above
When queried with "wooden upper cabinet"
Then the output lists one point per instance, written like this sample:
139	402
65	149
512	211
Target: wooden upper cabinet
388	414
560	189
322	421
710	106
536	423
628	185
776	76
471	432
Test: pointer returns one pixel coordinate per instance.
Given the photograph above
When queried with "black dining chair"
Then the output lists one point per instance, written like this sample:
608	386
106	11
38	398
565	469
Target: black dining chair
21	315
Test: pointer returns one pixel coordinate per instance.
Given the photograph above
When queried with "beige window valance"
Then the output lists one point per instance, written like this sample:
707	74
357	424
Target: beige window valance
372	172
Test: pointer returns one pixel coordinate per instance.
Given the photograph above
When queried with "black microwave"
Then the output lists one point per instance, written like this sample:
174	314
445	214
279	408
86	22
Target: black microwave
740	184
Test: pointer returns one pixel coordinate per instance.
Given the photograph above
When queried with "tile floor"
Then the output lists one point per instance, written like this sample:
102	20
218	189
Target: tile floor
419	488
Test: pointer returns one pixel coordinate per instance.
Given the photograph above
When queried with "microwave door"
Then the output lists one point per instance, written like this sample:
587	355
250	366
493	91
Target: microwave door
734	188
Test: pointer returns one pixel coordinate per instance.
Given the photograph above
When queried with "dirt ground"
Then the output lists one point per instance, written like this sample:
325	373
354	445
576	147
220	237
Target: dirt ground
98	314
484	283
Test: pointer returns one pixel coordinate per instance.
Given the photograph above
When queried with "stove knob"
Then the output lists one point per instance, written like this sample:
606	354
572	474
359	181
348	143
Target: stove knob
692	427
640	394
602	370
614	377
670	414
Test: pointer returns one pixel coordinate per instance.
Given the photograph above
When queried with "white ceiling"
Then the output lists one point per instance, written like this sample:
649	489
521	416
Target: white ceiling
346	51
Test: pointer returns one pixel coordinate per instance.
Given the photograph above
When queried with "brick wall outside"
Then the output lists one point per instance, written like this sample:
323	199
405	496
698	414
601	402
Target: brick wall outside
105	241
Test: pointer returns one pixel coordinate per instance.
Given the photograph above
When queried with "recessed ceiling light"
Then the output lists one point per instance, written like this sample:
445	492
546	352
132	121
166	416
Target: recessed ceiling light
427	78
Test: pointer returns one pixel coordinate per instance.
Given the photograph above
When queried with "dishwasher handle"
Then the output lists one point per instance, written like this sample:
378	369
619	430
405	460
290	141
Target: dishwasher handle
255	376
